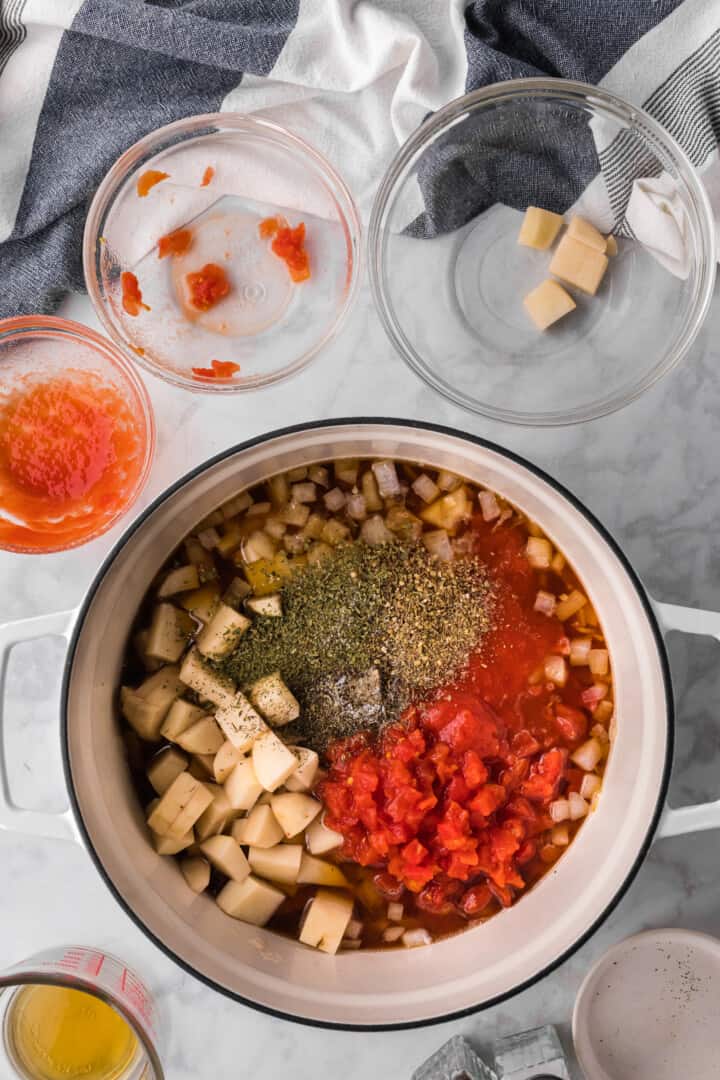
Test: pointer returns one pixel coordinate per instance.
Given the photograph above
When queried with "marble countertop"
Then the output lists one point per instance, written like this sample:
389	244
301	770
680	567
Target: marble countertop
649	472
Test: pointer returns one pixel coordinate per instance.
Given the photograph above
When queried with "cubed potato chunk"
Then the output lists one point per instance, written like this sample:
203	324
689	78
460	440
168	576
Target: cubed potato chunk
448	511
169	633
242	786
272	760
203	737
196	872
165	767
266	576
195	674
171	845
253	901
274	700
226	856
326	920
225	761
280	863
319	872
548	303
143	716
201	603
320	839
240	724
201	766
180	806
308	764
270	606
260	829
140	642
181	716
218	814
182	579
539	228
582	230
161	688
223	632
579	264
295	811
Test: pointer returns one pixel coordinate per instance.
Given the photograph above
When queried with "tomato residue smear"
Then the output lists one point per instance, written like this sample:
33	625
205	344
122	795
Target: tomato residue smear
70	456
132	300
207	176
451	802
207	286
148	180
175	243
221	369
288	244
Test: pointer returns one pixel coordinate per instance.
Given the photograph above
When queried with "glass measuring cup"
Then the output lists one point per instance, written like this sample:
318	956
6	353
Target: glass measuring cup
94	972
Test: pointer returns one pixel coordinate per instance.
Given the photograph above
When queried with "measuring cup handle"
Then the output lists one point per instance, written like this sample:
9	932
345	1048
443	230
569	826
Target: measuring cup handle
689	819
59	826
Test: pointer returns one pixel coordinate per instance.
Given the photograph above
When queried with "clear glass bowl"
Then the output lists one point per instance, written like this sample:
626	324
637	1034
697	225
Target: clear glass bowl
267	325
449	277
38	349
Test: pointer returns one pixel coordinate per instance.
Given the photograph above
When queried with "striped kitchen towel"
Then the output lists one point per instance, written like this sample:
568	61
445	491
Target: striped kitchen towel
80	80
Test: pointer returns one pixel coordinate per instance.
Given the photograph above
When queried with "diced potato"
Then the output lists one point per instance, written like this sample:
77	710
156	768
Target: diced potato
182	579
196	872
334	532
259	545
253	901
320	839
226	856
267	575
236	505
448	511
548	303
225	761
231	539
280	863
579	264
319	872
201	767
274	700
260	829
240	723
205	682
611	246
279	490
165	767
369	488
180	806
272	760
539	228
216	817
161	688
201	603
204	737
270	606
236	592
223	632
295	811
346	470
171	845
169	632
180	717
326	920
198	556
149	662
308	764
582	230
242	786
569	607
143	716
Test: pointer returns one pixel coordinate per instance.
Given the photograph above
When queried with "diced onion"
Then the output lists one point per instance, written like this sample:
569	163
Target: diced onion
558	563
560	836
489	506
545	603
438	544
539	553
604	711
556	670
448	481
580	651
578	806
599	661
591	783
393	933
419	936
425	488
303	493
209	538
356	507
334	500
387	478
594	695
569	607
374	531
395	912
588	755
354	929
560	810
599	733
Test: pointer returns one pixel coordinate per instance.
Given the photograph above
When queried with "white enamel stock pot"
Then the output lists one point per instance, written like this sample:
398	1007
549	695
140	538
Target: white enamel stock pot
393	988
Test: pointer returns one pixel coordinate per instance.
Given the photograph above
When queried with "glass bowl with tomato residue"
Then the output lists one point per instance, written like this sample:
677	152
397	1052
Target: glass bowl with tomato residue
77	434
222	252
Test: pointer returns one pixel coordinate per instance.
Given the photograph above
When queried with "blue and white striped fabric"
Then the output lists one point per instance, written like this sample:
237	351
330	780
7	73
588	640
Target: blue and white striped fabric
80	80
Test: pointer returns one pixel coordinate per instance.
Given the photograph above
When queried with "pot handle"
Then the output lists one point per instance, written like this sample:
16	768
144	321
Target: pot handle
56	826
689	819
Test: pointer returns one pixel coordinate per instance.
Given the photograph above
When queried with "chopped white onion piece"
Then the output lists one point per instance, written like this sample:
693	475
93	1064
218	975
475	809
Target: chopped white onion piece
599	661
570	606
374	531
578	806
588	755
489	506
393	933
594	695
560	836
448	481
354	929
591	783
600	733
334	500
438	544
604	711
209	538
425	488
556	670
303	493
559	810
356	507
395	912
412	938
387	478
539	552
545	603
580	651
506	514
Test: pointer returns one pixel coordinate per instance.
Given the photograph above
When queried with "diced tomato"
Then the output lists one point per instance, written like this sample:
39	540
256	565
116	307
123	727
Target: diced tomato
524	744
207	176
132	300
487	800
207	287
544	780
288	244
148	180
571	723
474	729
221	369
474	769
175	243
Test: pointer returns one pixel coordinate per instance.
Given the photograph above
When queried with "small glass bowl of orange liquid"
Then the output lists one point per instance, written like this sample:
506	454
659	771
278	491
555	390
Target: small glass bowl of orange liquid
75	1011
77	434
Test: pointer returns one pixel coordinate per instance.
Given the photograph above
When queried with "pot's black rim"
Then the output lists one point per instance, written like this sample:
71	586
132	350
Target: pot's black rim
420	425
